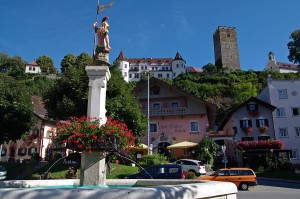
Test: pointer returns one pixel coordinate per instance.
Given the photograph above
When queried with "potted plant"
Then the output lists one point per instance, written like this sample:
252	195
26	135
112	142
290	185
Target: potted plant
86	134
247	130
263	129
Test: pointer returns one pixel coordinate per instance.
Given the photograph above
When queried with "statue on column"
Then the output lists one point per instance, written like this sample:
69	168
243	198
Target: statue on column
102	47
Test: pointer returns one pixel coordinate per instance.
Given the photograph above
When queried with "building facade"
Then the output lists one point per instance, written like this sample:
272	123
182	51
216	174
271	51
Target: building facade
32	67
285	95
280	66
175	116
226	47
244	123
133	69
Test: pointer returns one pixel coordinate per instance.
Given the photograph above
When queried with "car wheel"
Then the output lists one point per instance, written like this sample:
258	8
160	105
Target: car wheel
244	186
192	171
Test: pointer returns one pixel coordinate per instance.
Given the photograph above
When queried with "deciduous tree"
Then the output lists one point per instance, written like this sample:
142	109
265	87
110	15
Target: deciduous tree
16	110
46	63
294	47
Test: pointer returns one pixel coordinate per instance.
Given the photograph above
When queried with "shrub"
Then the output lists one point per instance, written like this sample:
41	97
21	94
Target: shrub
191	175
154	159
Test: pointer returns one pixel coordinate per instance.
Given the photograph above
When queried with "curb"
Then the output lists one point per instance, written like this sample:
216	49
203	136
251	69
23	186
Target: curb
279	180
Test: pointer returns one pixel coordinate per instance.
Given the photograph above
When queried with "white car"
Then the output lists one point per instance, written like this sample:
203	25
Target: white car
2	173
190	165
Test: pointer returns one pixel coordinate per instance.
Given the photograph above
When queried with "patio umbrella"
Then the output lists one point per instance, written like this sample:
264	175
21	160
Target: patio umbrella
183	145
139	147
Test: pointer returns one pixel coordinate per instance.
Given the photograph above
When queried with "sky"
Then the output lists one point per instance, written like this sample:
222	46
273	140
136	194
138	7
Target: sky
149	28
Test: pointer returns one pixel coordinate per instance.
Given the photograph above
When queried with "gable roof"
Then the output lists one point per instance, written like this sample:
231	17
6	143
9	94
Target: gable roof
251	99
33	63
192	69
210	108
289	66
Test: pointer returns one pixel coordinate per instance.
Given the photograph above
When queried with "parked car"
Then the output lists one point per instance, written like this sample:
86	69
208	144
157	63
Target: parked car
190	165
162	171
2	173
241	177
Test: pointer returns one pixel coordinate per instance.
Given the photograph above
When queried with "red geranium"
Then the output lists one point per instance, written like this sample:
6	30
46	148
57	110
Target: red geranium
260	144
81	134
263	129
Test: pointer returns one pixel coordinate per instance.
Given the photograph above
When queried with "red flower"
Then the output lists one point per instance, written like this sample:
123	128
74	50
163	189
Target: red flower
80	134
263	129
95	137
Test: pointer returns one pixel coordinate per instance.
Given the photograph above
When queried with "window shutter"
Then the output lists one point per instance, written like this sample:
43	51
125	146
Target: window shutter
250	123
266	122
241	123
256	107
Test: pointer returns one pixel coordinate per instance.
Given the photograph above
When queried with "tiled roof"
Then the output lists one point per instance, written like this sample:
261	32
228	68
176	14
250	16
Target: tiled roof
193	69
33	63
287	66
39	109
157	61
178	56
121	56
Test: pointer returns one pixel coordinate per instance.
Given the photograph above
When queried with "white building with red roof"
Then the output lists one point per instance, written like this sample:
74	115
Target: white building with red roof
133	68
280	66
32	67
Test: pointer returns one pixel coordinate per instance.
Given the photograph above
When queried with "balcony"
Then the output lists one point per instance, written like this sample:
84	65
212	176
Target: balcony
165	111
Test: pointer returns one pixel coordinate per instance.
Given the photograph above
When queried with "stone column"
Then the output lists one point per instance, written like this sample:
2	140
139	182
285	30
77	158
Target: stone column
93	168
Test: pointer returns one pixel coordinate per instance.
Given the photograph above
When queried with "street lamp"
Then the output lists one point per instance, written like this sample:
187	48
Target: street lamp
148	106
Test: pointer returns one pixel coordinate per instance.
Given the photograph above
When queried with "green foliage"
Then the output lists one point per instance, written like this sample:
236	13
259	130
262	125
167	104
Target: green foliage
46	63
210	68
294	47
57	156
153	159
16	109
12	66
207	150
68	94
68	61
123	106
191	175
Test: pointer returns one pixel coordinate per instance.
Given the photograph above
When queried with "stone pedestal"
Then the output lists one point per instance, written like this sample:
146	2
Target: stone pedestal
93	168
98	77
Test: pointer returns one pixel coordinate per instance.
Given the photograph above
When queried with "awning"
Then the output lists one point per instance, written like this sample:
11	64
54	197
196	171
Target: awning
139	147
183	145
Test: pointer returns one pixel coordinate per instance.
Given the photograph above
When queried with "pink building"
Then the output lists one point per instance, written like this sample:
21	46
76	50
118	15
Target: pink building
175	116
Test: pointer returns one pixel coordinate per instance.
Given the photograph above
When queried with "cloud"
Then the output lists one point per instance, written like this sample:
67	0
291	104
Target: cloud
181	19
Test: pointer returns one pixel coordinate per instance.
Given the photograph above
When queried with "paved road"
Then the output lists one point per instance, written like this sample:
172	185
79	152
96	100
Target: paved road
272	189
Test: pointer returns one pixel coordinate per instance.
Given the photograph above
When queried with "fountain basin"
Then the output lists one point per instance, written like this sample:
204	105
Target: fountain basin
146	189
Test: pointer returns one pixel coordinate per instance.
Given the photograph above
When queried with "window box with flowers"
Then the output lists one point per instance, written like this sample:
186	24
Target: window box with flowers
260	144
263	129
86	134
247	130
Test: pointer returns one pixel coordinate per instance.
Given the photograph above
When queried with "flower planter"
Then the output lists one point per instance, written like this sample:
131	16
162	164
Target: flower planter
263	129
86	134
247	130
262	144
253	113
